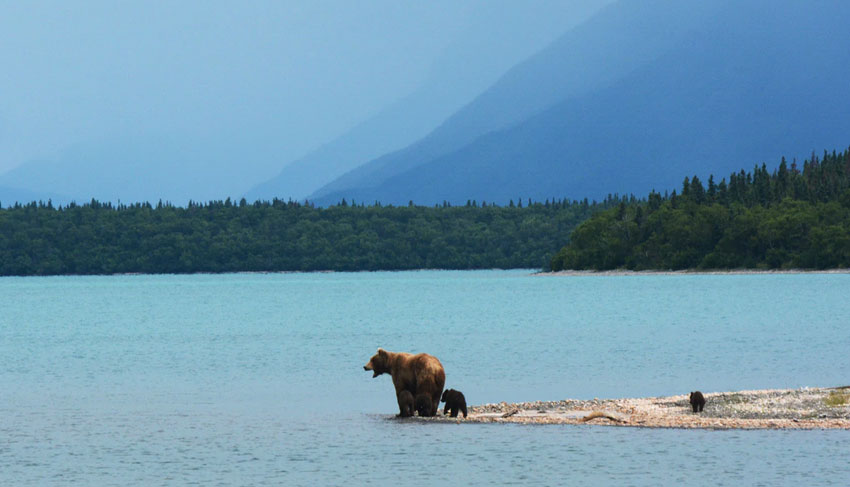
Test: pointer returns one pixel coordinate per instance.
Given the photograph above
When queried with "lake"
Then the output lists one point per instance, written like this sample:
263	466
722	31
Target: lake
257	379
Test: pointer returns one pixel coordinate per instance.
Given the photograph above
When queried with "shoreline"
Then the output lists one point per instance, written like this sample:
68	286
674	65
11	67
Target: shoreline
731	272
531	272
805	408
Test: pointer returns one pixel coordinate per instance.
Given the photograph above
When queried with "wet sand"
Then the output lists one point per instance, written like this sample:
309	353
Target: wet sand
806	408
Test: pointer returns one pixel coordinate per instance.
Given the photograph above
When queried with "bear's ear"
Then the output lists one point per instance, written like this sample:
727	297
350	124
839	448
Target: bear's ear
382	352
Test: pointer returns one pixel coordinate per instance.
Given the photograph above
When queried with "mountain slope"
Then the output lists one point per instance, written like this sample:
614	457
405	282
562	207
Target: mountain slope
140	168
464	70
9	196
746	83
595	54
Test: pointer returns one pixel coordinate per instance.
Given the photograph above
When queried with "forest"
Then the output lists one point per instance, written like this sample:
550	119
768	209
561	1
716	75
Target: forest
225	236
790	218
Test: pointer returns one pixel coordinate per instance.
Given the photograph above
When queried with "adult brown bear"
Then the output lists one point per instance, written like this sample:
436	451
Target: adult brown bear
420	373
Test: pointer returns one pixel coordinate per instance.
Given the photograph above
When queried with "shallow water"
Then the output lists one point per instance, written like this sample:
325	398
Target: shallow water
257	379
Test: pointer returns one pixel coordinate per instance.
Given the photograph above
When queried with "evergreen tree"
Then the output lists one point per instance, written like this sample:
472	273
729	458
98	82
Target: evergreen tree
711	193
784	219
697	190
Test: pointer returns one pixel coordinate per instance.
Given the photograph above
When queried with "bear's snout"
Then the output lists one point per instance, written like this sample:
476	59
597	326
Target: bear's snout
368	367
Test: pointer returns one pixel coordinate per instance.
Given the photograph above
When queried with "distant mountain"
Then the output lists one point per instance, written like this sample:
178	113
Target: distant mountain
394	127
247	133
456	77
10	196
611	44
631	100
140	168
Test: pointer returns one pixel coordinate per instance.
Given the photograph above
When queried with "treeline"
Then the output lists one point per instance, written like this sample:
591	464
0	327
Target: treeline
788	218
223	236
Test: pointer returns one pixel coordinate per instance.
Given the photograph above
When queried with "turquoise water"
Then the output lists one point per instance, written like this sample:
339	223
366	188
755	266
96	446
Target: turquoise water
257	379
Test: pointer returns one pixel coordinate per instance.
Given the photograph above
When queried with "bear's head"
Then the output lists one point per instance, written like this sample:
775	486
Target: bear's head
445	395
379	363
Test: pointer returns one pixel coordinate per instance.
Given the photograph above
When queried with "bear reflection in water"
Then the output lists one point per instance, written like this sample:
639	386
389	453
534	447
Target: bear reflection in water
419	374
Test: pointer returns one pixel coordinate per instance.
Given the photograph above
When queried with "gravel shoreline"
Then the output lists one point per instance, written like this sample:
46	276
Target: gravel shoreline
730	272
805	408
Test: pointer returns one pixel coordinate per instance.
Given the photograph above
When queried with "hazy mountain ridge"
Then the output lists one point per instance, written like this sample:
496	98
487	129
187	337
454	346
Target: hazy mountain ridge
630	100
745	84
217	116
614	42
137	168
456	79
9	196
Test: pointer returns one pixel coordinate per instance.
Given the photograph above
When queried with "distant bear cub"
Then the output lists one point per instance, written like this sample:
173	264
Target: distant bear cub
454	401
697	401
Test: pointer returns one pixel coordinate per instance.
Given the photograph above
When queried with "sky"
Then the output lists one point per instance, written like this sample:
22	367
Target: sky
82	70
295	72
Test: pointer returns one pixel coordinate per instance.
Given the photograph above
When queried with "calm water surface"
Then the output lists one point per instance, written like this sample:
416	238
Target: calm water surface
253	379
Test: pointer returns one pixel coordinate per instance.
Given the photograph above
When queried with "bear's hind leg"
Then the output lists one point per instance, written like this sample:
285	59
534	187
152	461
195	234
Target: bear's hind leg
405	404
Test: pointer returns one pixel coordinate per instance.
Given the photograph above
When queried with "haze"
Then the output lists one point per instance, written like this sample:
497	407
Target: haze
236	90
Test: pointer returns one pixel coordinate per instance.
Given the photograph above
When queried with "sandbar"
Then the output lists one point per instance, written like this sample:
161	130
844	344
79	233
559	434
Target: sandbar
804	408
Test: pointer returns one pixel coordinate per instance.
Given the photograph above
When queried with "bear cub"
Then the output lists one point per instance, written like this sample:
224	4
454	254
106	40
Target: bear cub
697	401
405	404
423	405
454	401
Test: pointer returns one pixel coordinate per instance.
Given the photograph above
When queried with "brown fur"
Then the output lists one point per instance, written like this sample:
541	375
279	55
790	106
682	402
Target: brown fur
420	373
405	403
424	404
455	401
697	401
